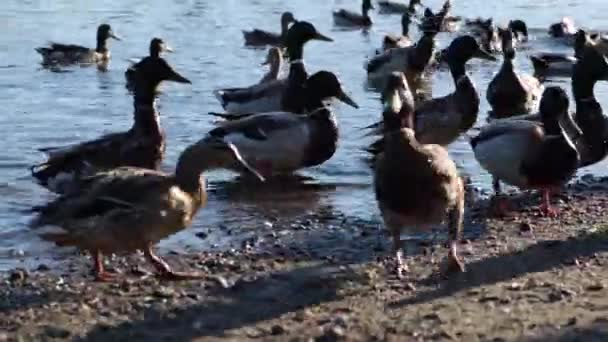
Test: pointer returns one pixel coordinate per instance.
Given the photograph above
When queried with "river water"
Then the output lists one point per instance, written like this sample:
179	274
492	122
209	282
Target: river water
43	108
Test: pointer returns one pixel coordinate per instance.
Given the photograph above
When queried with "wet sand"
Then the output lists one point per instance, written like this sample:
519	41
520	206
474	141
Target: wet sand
528	278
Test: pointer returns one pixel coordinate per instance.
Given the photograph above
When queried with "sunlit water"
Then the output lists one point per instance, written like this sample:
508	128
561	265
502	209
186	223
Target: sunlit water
42	108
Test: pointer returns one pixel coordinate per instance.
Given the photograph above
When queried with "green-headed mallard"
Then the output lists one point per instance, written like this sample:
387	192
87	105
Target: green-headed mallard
416	185
442	120
157	47
57	53
283	142
528	154
269	96
404	40
128	209
344	17
412	60
511	93
387	6
141	146
257	37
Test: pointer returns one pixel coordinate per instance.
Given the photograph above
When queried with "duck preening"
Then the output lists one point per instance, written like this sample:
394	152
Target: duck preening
275	95
511	93
63	54
344	17
283	142
127	209
257	37
417	185
157	47
387	6
531	155
141	146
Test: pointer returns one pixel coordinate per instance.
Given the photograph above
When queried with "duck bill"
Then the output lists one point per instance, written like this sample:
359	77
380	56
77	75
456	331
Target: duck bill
322	37
239	158
167	48
113	36
483	54
175	77
346	99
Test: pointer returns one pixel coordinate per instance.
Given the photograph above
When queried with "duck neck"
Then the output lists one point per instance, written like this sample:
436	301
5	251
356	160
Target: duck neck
295	51
423	52
284	27
507	65
582	84
457	69
102	45
146	120
275	67
193	161
154	52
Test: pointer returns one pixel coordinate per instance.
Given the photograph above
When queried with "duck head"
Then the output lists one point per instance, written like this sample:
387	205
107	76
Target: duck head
324	85
300	33
553	105
287	18
520	28
104	32
508	50
366	6
431	24
158	46
398	103
413	3
591	63
463	48
405	23
148	76
581	40
563	28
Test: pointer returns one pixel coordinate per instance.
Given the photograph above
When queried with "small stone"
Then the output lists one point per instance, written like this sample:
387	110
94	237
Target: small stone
515	286
43	268
595	287
525	227
277	330
571	321
201	235
56	332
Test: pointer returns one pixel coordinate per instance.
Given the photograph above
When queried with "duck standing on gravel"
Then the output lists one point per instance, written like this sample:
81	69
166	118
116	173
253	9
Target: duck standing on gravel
257	37
141	146
65	54
344	17
157	47
511	93
416	185
128	209
529	154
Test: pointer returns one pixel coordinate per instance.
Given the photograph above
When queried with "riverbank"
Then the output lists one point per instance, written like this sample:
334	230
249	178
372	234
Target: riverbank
528	278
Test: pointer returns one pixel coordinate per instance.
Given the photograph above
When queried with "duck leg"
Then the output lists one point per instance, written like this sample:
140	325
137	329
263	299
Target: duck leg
455	221
500	204
398	250
546	208
100	273
165	270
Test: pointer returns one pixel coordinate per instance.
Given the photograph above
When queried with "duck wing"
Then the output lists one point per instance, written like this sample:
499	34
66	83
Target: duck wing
253	93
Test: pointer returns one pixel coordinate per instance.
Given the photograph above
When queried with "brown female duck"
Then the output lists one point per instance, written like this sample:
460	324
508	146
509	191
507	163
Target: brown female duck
257	37
511	93
416	185
128	209
393	7
344	17
141	146
57	53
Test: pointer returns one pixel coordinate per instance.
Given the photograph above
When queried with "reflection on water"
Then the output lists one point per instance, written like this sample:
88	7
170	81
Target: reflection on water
66	105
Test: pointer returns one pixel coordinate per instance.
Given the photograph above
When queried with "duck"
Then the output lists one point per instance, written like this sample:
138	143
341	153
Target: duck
416	185
404	40
157	47
563	31
274	59
560	64
129	208
268	96
487	32
142	145
344	17
257	37
442	120
591	67
283	142
412	60
65	54
531	155
511	93
393	7
445	22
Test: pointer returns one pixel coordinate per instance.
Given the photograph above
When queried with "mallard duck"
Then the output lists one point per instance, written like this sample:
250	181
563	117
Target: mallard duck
591	67
442	120
129	208
387	6
72	54
269	96
157	47
404	40
528	154
258	37
416	185
412	60
344	17
141	146
511	93
283	142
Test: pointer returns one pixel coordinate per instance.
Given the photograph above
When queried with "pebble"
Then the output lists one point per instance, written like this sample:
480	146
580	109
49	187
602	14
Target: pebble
18	275
56	332
277	330
595	287
43	268
202	235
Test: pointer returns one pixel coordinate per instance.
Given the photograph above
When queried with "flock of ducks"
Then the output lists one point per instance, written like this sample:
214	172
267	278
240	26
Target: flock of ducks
112	198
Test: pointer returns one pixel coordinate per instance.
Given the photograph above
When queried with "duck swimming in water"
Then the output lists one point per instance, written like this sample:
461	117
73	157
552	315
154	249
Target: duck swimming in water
65	54
141	146
344	17
128	209
157	47
257	37
392	7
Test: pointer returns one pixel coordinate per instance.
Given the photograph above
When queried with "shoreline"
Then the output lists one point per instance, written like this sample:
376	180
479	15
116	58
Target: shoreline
528	278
